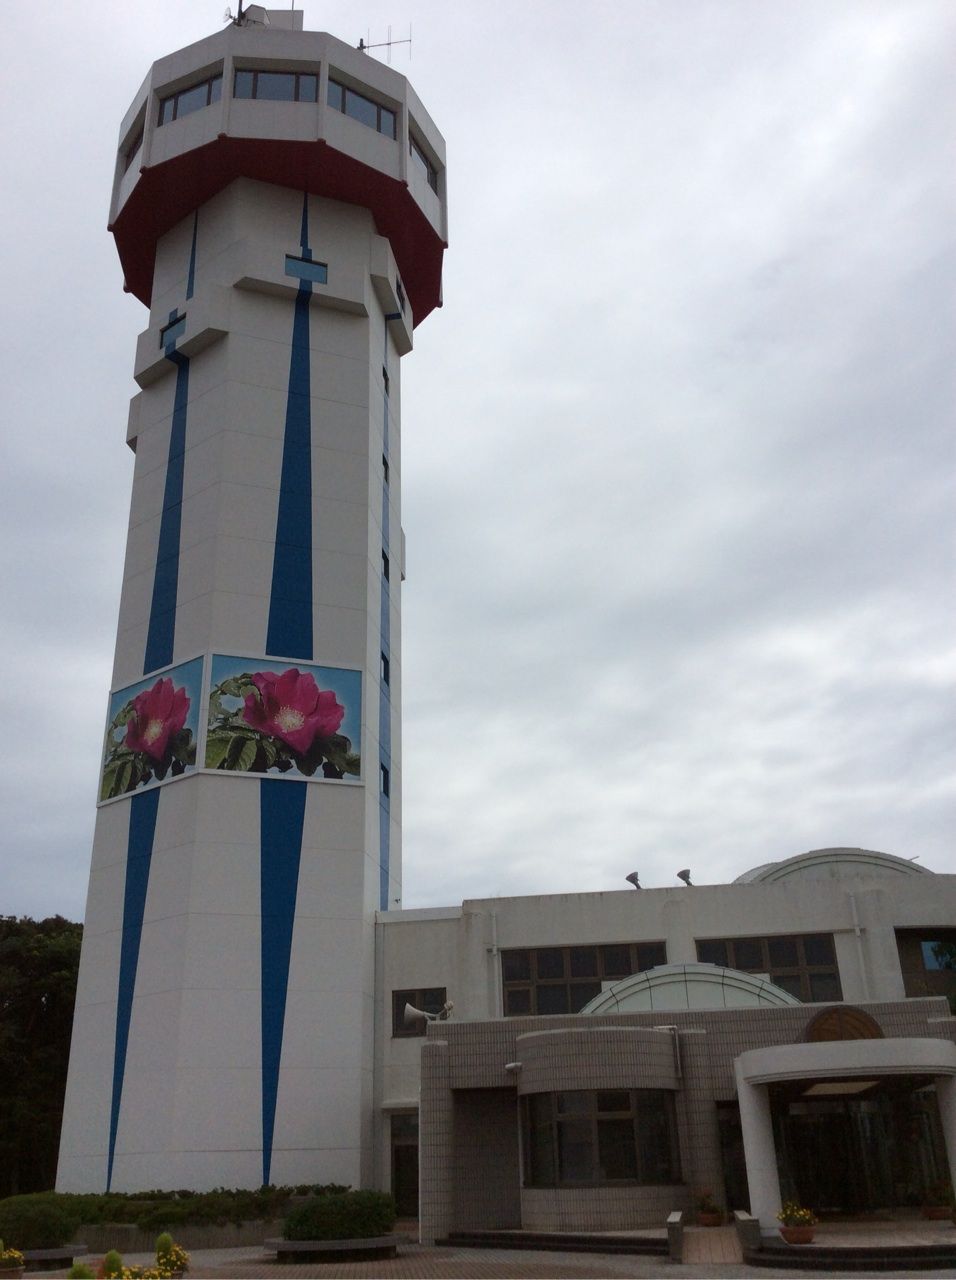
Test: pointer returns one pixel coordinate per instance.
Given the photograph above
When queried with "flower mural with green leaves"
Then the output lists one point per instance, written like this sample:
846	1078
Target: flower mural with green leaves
283	720
152	731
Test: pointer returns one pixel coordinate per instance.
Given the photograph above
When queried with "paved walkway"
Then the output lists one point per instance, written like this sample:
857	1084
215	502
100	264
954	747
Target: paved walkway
419	1262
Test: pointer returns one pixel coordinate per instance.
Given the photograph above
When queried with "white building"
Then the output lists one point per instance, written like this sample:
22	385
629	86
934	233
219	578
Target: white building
279	205
610	1054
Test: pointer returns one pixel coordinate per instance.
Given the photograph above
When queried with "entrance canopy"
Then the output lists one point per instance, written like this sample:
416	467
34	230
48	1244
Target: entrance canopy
843	1059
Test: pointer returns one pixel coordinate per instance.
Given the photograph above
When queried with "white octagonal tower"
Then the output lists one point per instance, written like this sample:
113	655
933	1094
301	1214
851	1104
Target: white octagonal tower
279	207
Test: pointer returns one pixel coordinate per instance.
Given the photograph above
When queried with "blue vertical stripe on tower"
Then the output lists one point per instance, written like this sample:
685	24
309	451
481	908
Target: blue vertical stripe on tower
139	852
191	275
162	613
384	702
281	821
289	632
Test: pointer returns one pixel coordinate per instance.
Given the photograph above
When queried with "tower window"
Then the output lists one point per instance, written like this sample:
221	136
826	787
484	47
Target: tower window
401	293
386	668
385	566
385	780
132	148
277	86
172	331
385	378
423	164
186	101
385	467
360	108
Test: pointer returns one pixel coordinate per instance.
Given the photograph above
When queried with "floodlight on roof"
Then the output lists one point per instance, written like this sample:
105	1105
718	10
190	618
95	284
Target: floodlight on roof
634	880
684	875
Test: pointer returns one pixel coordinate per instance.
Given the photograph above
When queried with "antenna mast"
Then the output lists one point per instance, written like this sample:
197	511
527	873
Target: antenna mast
365	45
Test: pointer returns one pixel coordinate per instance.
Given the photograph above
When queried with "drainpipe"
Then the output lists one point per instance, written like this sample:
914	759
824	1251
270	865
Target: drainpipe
675	1039
495	954
858	934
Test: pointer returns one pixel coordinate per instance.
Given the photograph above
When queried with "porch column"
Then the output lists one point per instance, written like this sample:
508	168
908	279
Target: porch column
759	1152
946	1095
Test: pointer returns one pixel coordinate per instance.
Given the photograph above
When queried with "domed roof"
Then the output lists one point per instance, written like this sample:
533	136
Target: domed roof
671	987
823	864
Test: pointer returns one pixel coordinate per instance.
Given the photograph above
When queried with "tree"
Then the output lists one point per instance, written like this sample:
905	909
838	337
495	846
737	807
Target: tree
39	960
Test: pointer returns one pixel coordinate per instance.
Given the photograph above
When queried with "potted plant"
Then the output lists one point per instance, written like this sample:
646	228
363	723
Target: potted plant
11	1261
708	1211
939	1200
171	1258
797	1223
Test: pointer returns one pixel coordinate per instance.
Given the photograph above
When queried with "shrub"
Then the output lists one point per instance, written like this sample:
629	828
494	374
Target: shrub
79	1271
352	1215
38	1222
112	1264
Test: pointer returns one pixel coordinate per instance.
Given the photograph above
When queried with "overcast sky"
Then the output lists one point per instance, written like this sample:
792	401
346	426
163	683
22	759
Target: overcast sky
678	450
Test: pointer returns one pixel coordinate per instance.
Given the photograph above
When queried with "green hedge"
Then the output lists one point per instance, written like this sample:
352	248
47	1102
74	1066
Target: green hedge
353	1215
37	1222
51	1213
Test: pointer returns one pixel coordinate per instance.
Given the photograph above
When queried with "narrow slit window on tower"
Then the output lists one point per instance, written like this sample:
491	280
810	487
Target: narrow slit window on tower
385	780
423	164
385	378
385	467
386	668
400	293
132	148
385	566
169	334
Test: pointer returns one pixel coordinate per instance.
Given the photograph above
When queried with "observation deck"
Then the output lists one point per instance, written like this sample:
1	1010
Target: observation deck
299	109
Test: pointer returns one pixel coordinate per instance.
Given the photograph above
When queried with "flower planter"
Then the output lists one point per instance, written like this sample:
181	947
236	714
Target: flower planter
797	1235
713	1219
12	1272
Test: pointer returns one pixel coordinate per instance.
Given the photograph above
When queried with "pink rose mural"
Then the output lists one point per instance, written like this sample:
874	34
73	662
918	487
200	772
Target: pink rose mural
295	720
158	713
152	731
293	708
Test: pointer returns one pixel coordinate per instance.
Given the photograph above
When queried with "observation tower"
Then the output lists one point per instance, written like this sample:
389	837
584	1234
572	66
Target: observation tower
279	207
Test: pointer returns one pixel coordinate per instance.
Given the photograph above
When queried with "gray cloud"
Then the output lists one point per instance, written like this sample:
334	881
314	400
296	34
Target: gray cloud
677	475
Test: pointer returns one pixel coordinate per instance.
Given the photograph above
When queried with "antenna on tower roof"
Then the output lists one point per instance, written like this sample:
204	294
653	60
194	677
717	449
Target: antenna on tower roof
365	45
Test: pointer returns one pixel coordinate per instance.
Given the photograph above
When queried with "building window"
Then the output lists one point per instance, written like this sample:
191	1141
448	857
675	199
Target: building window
132	149
385	467
802	963
192	99
400	293
385	780
386	668
545	980
599	1138
385	566
360	108
928	962
169	334
385	380
423	164
277	86
428	999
